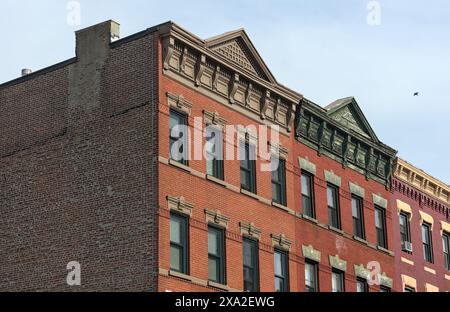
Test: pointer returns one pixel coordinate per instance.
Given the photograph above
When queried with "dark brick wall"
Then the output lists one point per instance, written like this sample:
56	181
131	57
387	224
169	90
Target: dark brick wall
83	193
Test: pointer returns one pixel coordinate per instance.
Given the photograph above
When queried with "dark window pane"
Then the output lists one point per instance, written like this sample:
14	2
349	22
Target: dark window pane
380	225
281	271
337	281
178	243
311	277
248	167
307	195
333	206
178	135
251	269
216	255
358	225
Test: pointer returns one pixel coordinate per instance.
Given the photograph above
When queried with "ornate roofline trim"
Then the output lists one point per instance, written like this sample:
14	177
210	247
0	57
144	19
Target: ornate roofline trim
421	180
351	101
171	30
240	33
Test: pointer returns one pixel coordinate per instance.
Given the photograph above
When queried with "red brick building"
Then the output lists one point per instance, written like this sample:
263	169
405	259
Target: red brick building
89	174
421	230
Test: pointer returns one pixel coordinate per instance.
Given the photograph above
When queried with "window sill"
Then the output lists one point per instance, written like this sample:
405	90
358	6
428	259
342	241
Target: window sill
252	195
282	207
339	231
180	275
385	250
308	218
179	165
218	286
216	180
361	240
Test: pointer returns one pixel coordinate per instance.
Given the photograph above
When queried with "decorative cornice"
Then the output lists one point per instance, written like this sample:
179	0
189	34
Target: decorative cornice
280	241
216	218
190	58
306	165
330	177
213	118
315	128
310	253
179	103
361	271
356	190
421	180
278	150
385	280
379	201
337	263
178	204
249	229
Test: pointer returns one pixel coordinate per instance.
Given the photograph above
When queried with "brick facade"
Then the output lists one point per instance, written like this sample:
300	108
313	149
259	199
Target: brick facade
86	175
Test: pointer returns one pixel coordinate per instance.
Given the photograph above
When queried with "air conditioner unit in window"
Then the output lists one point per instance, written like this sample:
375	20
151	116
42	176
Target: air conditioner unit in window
407	246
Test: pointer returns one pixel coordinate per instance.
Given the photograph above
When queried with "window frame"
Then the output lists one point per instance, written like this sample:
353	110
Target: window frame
384	225
185	118
385	289
217	164
251	170
406	217
254	264
336	209
361	219
221	257
409	289
363	282
184	245
428	257
284	267
341	275
281	174
314	265
310	178
446	236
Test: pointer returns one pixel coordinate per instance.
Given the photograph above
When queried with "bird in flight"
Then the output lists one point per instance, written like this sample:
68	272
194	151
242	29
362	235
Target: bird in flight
416	94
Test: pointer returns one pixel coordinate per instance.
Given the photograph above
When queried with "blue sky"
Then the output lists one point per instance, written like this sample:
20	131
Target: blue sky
322	49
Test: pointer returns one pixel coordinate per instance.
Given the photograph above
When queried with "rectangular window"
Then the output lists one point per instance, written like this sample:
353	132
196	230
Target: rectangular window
307	195
178	137
278	181
337	281
384	289
380	225
179	237
248	167
251	265
358	221
281	271
361	285
446	248
427	243
216	255
311	280
405	237
333	206
214	152
409	289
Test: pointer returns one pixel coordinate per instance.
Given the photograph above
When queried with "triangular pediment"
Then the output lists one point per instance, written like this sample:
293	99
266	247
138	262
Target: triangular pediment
237	48
348	113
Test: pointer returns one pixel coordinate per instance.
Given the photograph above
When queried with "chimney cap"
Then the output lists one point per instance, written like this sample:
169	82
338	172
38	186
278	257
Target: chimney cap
26	71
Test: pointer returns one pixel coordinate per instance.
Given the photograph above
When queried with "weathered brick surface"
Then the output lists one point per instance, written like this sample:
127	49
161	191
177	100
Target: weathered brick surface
84	193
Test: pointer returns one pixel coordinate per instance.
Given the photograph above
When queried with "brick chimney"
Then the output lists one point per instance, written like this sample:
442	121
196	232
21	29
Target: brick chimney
92	52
